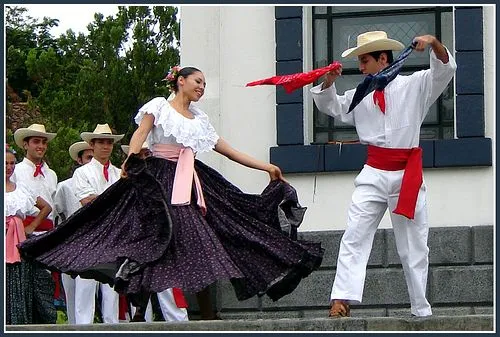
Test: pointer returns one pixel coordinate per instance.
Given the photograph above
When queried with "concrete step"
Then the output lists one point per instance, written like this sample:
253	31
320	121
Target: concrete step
434	323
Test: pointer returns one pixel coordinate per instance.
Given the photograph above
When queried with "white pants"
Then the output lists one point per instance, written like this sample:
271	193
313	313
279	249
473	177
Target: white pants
85	292
376	190
69	291
168	307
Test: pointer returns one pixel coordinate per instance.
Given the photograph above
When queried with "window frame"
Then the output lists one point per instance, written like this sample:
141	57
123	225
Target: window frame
339	132
469	105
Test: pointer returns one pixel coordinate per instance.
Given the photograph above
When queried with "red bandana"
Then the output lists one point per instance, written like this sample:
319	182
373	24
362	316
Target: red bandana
297	80
38	170
379	99
105	171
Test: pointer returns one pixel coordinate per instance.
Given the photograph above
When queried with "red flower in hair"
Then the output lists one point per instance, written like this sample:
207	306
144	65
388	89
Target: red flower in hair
172	74
9	148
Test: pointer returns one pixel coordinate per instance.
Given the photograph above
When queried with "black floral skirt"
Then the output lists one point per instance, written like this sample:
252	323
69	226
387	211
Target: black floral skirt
132	238
29	294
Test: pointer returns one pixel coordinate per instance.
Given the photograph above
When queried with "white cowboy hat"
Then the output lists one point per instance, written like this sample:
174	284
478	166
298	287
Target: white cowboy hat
34	130
75	148
101	131
372	41
125	148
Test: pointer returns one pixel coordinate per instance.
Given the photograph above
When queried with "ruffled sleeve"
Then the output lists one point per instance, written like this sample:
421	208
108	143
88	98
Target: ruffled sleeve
153	107
19	202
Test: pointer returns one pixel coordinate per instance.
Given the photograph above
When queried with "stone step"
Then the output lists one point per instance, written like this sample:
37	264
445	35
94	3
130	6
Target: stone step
433	323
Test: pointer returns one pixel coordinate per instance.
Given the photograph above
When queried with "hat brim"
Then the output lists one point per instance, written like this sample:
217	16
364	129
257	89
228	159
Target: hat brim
377	45
21	134
88	136
125	148
75	148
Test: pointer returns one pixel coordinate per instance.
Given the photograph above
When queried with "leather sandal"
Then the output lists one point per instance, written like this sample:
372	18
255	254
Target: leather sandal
339	308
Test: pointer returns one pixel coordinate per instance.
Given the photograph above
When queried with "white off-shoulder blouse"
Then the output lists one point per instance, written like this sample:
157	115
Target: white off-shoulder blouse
173	128
19	202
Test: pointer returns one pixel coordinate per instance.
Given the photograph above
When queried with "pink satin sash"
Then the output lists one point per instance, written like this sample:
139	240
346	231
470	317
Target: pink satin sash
184	174
15	234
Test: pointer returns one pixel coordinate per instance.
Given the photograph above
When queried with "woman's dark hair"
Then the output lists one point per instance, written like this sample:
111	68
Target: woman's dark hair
376	55
9	149
184	72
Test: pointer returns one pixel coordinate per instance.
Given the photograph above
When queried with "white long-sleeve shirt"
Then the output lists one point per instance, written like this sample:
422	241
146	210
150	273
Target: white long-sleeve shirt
89	179
407	100
65	200
43	186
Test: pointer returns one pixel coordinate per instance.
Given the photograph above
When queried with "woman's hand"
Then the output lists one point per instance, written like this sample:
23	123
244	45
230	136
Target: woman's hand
123	173
275	173
31	228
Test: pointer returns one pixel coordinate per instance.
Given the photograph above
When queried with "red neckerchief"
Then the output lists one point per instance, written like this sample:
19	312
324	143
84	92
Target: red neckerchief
379	99
38	170
105	170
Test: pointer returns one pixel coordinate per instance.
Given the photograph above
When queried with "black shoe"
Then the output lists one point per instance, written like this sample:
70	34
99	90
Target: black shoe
138	318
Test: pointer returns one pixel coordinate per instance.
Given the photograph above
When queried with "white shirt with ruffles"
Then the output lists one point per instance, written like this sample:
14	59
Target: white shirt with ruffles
170	127
19	202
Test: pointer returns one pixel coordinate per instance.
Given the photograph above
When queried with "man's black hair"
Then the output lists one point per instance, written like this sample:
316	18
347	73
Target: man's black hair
376	55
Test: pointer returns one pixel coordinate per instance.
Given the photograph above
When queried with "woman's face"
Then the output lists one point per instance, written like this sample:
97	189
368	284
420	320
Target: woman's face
10	164
193	86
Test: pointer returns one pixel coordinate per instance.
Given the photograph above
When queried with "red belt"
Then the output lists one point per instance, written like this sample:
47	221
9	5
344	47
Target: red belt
409	160
45	225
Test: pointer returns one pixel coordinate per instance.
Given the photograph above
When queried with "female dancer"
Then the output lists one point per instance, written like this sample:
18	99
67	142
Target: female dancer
23	305
174	222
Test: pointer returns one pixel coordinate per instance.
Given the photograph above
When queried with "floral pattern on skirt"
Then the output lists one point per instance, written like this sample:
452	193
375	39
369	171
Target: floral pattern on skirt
134	239
29	294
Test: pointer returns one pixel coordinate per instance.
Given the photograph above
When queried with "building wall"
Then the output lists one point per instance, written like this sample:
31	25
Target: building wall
234	45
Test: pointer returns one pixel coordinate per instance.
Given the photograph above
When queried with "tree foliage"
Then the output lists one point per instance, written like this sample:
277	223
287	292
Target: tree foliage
81	80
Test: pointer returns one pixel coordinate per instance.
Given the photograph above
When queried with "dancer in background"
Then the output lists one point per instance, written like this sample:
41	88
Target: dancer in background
21	276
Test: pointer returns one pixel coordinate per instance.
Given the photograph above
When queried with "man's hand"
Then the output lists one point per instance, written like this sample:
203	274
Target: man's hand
330	77
429	40
88	199
423	41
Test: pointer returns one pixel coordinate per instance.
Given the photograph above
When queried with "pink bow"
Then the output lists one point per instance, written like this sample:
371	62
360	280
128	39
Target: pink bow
15	235
184	174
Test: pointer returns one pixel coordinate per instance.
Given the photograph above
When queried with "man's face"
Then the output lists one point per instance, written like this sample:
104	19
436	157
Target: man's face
35	148
86	157
102	148
369	65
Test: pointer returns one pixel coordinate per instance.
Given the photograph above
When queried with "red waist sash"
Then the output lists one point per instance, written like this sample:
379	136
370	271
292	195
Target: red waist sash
45	225
409	160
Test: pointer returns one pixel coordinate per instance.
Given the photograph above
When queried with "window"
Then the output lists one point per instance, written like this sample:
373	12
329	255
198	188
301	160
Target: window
335	29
